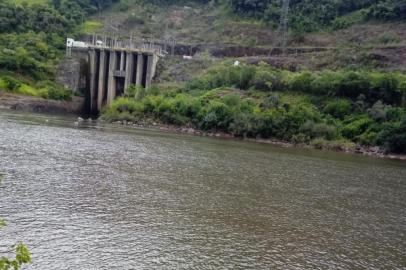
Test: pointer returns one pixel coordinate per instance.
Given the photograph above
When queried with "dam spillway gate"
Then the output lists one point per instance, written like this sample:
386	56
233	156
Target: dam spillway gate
113	66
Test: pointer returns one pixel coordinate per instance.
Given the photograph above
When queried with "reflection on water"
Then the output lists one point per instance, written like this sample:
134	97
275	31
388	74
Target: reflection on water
98	198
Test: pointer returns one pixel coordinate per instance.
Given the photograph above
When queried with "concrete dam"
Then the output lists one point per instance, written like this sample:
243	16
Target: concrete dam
111	66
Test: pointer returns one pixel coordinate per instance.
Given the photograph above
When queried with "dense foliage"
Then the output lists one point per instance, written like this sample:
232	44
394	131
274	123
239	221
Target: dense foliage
32	39
22	256
332	109
371	86
308	15
76	10
36	32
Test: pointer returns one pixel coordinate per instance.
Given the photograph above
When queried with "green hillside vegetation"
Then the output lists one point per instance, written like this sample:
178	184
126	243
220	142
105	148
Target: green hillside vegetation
349	103
330	109
352	39
243	21
32	41
311	15
30	2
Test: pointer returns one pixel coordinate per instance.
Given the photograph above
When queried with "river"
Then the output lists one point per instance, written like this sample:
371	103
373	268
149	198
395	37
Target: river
101	197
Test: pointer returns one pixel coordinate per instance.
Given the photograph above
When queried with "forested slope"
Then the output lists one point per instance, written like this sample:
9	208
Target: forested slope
351	95
32	41
335	99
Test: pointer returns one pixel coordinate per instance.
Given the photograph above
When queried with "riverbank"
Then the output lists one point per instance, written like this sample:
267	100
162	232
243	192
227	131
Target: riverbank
373	151
38	105
34	104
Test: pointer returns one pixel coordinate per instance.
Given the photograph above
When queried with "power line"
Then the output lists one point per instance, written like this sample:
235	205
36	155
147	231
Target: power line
282	33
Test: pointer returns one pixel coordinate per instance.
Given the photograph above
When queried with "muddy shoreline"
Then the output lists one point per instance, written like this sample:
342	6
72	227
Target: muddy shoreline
23	103
373	151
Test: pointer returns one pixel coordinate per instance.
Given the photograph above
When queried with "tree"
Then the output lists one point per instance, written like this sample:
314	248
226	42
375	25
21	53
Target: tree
22	254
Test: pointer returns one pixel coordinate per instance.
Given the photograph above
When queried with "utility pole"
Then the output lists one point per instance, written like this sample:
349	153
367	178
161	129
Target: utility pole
283	29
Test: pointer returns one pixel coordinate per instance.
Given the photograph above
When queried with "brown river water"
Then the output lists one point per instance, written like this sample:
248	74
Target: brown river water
102	197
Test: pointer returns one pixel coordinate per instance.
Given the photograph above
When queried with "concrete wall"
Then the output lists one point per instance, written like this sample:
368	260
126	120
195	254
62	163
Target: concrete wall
102	74
111	72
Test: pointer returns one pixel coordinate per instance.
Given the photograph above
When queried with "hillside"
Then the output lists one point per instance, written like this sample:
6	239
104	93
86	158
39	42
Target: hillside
339	83
196	23
331	89
32	43
215	29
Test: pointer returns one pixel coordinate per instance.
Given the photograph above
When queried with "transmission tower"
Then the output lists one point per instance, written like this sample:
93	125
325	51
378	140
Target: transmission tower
282	33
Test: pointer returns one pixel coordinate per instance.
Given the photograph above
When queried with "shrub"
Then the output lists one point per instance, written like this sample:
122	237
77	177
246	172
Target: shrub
10	83
393	137
300	138
131	106
51	90
368	138
187	106
59	94
387	10
272	101
25	89
124	109
134	19
302	82
232	100
378	111
340	23
395	114
353	84
242	76
385	87
338	108
138	92
356	127
215	115
326	83
318	130
263	80
337	145
241	125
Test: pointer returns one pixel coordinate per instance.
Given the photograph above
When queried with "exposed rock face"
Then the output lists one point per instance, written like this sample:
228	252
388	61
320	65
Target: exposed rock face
72	71
68	74
35	104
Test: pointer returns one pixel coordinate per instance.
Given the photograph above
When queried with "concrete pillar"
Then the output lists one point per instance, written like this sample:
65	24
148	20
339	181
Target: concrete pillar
154	65
111	90
129	70
140	69
150	66
122	61
102	72
93	83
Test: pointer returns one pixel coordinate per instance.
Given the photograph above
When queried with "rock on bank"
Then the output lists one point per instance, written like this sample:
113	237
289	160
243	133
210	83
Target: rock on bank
35	104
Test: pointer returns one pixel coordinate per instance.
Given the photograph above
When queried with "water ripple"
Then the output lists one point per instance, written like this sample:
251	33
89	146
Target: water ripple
101	199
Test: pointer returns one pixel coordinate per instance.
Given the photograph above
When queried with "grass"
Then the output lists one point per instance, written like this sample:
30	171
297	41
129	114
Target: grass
89	27
18	85
349	19
336	145
30	2
22	86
